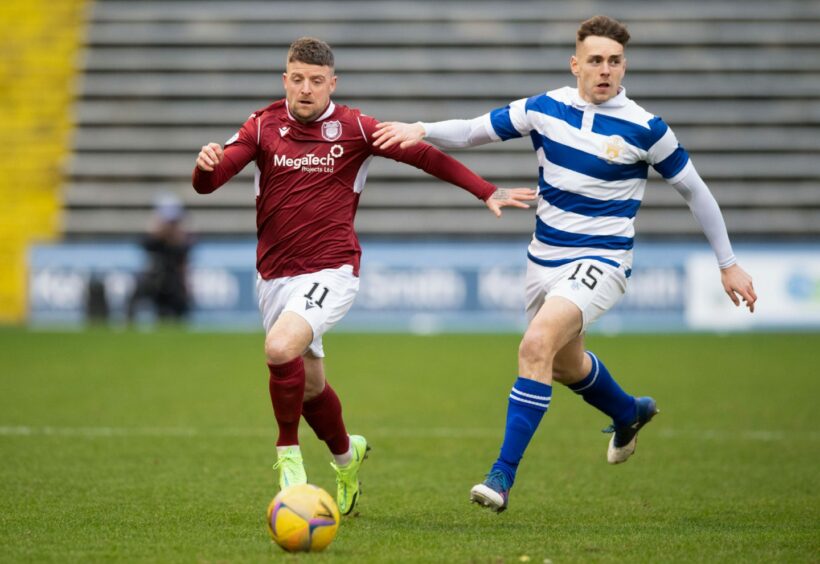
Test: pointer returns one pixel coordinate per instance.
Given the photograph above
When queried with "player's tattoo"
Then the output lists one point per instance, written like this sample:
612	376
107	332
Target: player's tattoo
501	194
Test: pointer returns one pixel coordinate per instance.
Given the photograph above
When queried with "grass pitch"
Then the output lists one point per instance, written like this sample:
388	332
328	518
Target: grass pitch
157	447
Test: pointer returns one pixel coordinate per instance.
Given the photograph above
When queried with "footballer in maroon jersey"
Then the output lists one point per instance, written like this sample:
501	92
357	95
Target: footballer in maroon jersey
311	158
309	177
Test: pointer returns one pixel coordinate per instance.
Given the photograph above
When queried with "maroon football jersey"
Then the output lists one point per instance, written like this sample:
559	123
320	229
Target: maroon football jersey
309	177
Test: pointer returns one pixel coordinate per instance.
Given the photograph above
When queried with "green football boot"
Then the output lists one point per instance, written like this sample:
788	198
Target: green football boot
347	477
290	467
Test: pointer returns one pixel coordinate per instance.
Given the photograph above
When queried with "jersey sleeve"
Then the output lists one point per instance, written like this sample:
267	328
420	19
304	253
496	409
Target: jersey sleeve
430	160
707	213
509	122
458	133
239	150
665	154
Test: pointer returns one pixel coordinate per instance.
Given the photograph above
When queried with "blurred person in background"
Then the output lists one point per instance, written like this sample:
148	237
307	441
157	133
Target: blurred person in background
311	158
164	282
97	308
594	146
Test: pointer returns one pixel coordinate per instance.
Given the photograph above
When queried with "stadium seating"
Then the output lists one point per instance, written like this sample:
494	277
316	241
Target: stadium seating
162	78
40	40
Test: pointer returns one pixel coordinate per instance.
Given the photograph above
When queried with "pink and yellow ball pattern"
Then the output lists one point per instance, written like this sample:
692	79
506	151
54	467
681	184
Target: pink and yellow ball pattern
303	518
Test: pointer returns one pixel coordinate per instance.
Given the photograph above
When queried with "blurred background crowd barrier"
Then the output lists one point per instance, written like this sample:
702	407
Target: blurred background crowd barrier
428	287
105	105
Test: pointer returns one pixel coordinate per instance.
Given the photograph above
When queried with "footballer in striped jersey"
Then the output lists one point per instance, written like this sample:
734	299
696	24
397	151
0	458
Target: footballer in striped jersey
593	147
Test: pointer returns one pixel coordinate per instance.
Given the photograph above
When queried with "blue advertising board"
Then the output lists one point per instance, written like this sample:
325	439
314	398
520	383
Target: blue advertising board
432	287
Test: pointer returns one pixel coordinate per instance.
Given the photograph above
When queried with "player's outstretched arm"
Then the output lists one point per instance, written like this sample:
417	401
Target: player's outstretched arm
737	282
449	134
432	161
389	133
514	197
209	157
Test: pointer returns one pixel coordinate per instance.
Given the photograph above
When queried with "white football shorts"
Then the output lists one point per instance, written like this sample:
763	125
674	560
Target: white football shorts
594	286
321	298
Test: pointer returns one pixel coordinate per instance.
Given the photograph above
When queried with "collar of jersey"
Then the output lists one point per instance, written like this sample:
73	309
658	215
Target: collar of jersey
331	107
617	101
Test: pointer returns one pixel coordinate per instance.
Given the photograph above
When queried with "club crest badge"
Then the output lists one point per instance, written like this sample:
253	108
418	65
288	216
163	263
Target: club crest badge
331	130
613	147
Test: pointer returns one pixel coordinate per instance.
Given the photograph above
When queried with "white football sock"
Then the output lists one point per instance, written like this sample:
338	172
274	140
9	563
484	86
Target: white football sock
344	459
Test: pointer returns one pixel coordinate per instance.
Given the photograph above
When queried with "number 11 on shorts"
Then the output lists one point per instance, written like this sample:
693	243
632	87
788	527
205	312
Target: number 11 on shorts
311	302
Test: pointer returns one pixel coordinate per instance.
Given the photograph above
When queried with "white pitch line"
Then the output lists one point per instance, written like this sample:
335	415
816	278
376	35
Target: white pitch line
103	432
760	435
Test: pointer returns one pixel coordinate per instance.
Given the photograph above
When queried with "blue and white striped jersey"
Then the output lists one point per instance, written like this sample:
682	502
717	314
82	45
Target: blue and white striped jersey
592	167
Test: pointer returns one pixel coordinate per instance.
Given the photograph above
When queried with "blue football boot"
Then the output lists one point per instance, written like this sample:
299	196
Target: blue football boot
625	438
493	493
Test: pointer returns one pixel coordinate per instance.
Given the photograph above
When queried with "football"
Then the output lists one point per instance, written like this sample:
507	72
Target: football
303	518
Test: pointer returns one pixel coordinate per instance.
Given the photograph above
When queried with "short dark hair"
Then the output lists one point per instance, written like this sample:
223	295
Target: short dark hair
311	51
603	26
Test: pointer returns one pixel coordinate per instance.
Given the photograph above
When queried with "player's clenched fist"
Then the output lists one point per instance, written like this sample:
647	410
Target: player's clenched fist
210	156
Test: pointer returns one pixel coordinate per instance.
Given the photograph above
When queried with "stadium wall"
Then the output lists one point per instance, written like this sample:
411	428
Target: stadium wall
444	286
40	42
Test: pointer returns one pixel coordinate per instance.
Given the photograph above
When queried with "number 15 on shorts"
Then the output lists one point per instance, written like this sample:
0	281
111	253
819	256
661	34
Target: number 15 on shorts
587	273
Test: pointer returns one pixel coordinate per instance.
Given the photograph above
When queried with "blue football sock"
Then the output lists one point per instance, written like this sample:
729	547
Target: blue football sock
528	401
601	391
